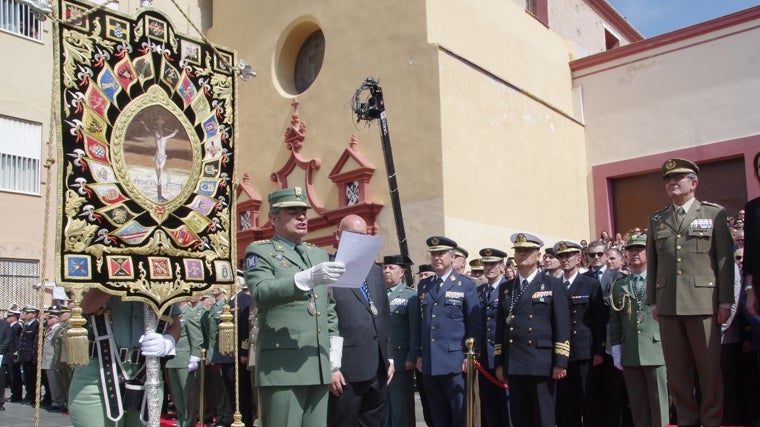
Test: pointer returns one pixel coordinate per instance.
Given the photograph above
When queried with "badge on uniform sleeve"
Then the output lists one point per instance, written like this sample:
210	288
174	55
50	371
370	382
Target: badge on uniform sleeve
250	262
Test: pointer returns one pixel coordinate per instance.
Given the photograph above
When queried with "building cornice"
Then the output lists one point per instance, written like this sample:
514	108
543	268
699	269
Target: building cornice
613	16
665	39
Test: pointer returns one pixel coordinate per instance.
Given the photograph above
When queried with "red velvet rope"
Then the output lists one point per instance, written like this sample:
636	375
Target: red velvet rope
490	377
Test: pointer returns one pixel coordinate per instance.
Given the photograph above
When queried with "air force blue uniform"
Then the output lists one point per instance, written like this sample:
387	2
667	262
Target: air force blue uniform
448	316
493	398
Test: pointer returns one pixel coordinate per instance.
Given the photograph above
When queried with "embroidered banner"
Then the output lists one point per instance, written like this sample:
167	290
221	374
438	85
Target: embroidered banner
145	157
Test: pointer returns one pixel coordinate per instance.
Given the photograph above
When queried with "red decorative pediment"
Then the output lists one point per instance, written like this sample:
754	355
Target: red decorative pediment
352	174
301	169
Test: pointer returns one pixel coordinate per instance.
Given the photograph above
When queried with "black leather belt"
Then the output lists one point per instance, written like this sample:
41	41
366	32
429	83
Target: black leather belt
126	355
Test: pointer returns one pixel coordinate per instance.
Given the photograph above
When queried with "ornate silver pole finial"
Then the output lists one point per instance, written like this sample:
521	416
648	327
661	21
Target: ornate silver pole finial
245	71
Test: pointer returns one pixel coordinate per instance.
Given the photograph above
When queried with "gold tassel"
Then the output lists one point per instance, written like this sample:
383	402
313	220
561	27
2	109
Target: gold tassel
78	340
226	332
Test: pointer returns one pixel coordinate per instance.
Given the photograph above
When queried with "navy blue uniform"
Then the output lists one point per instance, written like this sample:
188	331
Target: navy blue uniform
532	336
493	399
588	319
448	316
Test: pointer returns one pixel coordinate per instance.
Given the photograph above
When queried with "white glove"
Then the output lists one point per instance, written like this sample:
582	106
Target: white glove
336	352
193	365
616	353
323	273
156	345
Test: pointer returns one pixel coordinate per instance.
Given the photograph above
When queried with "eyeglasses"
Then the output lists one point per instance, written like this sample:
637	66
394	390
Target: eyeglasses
738	257
595	254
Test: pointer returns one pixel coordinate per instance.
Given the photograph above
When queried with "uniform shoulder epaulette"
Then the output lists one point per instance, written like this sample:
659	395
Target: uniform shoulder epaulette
309	244
661	210
261	242
715	205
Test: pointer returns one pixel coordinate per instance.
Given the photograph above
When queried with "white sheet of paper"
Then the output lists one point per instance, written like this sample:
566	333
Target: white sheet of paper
358	252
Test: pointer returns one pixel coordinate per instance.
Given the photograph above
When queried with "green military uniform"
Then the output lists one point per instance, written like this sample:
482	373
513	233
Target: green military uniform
182	382
60	357
86	403
405	320
214	396
638	336
292	348
690	271
293	326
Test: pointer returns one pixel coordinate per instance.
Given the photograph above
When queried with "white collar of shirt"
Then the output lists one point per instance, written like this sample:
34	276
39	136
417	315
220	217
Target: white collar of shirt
529	278
686	206
495	285
446	276
602	269
572	278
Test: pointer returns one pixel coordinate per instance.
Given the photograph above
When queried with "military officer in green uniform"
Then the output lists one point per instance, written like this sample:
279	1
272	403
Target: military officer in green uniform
405	319
120	341
635	340
183	367
690	281
297	346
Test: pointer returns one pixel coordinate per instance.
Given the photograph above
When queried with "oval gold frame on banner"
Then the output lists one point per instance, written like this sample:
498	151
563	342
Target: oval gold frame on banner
156	102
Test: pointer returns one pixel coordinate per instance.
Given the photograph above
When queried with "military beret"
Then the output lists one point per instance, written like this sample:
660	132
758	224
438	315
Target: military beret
288	198
525	240
476	264
462	252
636	240
492	255
400	260
426	268
440	243
566	247
675	166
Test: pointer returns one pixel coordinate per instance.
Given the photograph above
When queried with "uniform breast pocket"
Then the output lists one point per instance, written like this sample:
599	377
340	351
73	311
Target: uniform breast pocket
400	309
453	308
661	239
699	240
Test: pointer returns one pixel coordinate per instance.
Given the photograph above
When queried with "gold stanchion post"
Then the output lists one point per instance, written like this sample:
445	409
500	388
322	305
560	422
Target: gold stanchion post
470	386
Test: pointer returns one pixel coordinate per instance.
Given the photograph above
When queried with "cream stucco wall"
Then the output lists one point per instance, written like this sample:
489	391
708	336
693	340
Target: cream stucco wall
470	90
681	95
25	88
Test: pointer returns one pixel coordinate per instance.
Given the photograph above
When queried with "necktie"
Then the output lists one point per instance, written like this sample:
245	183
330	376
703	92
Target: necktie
680	215
567	284
488	292
301	249
438	283
598	275
524	284
365	291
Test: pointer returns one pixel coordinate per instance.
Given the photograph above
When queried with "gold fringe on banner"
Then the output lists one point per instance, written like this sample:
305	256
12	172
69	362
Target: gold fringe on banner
78	340
226	332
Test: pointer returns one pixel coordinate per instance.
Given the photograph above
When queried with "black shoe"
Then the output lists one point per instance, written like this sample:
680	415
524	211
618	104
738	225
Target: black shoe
56	409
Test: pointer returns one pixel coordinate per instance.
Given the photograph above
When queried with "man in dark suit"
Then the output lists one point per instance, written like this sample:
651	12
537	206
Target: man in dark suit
449	314
9	350
608	384
493	397
532	336
359	389
588	319
27	353
690	279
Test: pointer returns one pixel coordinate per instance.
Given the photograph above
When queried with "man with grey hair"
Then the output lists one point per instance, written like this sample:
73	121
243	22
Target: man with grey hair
690	281
297	324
